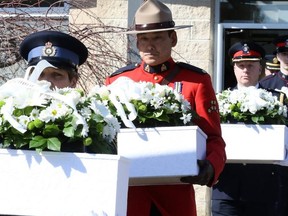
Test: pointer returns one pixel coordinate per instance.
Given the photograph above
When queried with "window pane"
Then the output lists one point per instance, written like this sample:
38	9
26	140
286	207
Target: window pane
31	3
247	11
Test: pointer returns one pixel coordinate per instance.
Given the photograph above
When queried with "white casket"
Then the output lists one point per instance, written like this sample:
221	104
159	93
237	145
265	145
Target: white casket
162	155
60	183
250	143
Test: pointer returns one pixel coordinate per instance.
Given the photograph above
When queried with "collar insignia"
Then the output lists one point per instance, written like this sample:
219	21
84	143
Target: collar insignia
284	76
147	68
163	67
157	68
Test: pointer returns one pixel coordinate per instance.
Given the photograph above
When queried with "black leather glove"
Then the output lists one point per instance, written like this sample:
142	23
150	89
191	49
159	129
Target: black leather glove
206	174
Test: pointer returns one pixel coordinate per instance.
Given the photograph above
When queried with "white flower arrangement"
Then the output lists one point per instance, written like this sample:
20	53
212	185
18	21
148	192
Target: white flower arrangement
33	116
251	105
146	104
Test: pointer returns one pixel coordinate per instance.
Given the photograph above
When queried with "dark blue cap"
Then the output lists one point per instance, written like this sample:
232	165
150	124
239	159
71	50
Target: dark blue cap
281	43
271	62
246	51
58	48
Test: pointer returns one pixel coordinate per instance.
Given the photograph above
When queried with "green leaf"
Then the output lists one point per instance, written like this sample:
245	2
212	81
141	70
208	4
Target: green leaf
51	130
2	103
158	114
38	141
28	110
68	121
97	118
15	131
17	112
99	128
68	131
53	144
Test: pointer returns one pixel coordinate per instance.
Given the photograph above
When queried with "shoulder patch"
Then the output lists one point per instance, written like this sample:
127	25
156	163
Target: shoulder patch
191	67
125	69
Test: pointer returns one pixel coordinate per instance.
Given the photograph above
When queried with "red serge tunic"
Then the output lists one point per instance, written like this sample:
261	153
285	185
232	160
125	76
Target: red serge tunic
198	90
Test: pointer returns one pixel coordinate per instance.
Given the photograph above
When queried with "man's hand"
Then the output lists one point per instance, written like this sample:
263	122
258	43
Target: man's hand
206	174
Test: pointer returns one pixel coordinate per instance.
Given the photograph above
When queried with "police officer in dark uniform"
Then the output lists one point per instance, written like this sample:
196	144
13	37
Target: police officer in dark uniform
246	60
278	80
62	54
274	83
247	189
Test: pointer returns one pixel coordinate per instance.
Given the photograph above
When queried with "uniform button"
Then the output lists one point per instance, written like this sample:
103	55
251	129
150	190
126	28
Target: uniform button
156	78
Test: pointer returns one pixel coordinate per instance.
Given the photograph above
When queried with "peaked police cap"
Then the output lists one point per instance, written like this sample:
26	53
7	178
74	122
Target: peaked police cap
56	47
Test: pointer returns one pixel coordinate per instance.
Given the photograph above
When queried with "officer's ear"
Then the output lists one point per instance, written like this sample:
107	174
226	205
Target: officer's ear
73	82
173	36
277	56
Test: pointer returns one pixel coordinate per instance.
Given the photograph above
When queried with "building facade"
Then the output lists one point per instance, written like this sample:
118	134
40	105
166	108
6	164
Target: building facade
216	25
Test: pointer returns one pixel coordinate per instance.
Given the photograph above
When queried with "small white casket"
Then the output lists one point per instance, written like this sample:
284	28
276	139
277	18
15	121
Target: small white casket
249	143
60	183
162	155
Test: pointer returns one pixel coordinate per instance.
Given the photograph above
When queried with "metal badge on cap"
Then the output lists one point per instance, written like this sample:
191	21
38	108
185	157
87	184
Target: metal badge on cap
245	49
49	50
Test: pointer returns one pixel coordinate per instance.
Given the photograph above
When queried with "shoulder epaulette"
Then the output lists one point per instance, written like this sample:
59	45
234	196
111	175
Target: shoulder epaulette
125	69
191	67
268	77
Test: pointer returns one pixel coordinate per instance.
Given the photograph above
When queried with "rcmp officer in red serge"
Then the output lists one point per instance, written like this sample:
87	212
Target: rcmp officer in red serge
155	32
247	189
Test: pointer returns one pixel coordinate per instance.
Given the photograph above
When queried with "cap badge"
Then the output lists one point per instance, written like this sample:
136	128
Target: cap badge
245	49
49	50
275	60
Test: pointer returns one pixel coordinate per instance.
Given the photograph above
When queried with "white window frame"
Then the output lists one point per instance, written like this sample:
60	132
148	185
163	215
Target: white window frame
36	11
218	75
219	48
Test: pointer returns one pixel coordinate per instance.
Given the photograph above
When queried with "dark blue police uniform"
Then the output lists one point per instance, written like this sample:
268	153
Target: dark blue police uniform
248	189
273	83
